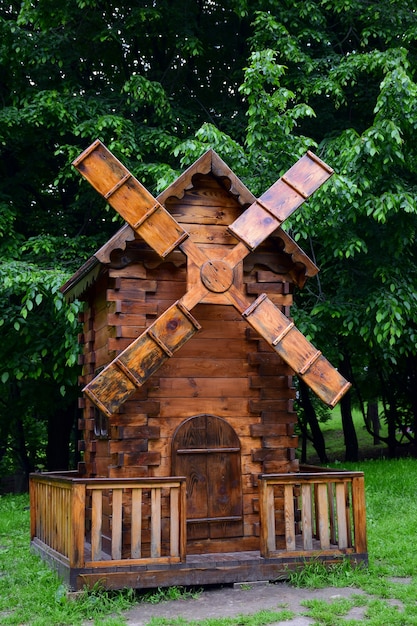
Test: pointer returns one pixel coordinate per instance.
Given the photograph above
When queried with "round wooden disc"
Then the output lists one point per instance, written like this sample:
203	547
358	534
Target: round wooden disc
216	276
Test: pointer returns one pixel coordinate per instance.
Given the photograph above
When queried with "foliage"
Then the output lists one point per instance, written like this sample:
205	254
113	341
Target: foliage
260	81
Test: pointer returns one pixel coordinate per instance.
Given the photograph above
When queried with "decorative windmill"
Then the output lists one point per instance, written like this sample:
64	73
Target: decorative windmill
208	279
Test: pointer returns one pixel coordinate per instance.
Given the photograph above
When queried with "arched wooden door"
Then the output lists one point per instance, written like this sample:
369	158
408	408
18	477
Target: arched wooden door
206	450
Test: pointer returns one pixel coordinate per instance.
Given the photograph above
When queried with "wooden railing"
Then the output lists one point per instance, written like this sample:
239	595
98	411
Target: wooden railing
324	512
88	522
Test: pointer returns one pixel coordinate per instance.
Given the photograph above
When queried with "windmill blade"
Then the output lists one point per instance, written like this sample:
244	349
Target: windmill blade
130	198
306	361
128	371
275	205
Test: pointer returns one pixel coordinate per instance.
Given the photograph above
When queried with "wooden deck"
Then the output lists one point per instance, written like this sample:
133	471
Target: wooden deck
144	545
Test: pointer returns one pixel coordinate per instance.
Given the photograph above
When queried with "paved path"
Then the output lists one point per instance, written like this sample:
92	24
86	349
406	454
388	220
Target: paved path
242	600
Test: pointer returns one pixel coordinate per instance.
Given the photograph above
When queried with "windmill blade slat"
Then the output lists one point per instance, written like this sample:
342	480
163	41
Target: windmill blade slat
274	206
130	199
109	389
128	371
306	361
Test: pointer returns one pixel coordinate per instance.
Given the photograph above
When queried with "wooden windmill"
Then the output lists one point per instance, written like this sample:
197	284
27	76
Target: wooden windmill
189	473
209	280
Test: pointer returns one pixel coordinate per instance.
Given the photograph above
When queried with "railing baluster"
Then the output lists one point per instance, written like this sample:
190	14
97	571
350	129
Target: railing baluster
331	495
116	531
174	512
136	524
156	523
323	514
348	512
306	511
341	515
289	517
96	524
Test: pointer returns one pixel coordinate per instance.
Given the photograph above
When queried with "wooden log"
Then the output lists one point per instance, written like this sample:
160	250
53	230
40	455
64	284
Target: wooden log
221	406
133	271
268	430
184	367
266	276
201	388
137	432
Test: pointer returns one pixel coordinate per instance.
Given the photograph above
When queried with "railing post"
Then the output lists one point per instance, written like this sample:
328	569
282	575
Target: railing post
174	512
76	548
183	521
33	487
359	514
266	518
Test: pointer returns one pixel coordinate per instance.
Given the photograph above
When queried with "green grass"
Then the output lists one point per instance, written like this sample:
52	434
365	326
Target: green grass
333	435
32	595
261	618
391	577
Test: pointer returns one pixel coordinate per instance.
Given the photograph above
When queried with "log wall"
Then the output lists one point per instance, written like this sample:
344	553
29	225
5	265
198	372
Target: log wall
225	370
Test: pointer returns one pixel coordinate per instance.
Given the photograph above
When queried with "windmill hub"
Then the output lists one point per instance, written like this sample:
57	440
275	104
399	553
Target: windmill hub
217	276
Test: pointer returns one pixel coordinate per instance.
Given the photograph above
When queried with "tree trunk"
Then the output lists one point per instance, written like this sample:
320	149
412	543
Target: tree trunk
349	432
304	438
60	428
392	431
374	425
312	421
412	369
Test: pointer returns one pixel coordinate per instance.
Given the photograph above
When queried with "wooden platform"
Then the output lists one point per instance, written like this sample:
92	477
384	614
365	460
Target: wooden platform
202	569
77	526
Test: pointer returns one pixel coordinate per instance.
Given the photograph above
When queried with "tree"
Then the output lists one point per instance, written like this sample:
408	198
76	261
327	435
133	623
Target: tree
260	81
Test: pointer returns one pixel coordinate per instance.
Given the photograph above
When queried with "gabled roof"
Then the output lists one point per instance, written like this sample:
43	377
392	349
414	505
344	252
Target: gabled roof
208	163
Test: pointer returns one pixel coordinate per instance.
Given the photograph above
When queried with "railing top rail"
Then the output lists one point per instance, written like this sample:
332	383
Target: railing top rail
310	477
69	478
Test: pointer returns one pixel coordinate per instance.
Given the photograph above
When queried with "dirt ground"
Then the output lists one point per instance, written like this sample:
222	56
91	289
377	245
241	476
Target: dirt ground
241	599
